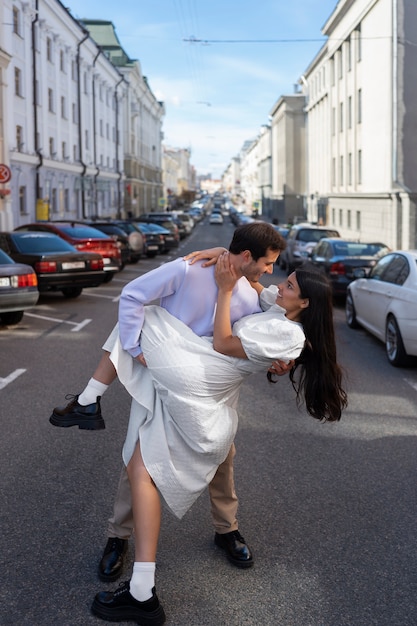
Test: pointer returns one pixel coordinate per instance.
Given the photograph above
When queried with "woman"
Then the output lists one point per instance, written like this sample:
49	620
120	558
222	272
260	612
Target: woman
183	416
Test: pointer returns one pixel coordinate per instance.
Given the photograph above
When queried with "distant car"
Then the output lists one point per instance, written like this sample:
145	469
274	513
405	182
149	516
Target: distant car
384	302
163	219
168	239
153	242
339	258
84	238
18	289
301	240
186	219
119	236
58	265
216	218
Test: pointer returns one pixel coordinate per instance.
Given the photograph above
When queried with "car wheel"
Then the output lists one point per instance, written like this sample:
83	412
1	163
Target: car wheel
11	318
72	292
151	255
394	346
350	312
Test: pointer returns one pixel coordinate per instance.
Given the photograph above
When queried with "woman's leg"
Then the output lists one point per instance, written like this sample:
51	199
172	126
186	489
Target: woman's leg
146	506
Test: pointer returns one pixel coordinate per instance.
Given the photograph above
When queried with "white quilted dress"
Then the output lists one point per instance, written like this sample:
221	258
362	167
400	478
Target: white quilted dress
184	403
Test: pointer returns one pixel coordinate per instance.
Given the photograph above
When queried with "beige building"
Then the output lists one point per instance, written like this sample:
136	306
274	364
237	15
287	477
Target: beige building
361	92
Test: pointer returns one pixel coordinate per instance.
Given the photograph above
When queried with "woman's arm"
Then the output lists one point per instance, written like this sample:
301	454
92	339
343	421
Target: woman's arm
209	253
223	339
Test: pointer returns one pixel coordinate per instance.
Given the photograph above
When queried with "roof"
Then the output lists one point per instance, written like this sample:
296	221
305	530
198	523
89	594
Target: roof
104	34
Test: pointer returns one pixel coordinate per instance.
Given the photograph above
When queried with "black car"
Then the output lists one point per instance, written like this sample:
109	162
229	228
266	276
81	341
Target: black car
18	289
119	236
58	265
153	242
168	239
165	220
339	258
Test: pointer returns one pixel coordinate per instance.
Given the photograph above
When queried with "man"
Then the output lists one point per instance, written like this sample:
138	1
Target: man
188	292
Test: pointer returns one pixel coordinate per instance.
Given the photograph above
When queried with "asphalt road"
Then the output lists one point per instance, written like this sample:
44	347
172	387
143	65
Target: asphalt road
328	509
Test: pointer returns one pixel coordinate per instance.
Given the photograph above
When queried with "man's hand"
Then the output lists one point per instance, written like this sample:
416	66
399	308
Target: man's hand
279	368
141	359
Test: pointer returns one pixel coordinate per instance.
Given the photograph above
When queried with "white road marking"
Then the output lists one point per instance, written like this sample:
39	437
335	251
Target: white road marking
10	378
77	325
411	382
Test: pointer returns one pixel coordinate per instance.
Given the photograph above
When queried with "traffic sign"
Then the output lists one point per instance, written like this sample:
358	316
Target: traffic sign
5	173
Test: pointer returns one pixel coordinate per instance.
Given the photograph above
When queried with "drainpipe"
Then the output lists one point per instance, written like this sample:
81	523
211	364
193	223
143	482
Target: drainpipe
95	136
120	170
35	105
80	135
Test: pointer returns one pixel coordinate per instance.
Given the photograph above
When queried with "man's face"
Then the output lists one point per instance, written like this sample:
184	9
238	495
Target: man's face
253	270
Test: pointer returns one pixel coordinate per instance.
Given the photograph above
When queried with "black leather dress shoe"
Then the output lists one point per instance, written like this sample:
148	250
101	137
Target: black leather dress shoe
121	606
111	564
74	414
235	547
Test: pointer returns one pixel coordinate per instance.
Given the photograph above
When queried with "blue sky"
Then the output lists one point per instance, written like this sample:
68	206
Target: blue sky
217	93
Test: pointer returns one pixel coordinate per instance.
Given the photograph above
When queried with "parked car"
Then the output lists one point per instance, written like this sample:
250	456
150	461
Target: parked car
168	240
163	219
339	258
384	302
216	217
186	219
58	265
18	289
83	238
135	237
119	236
301	240
154	243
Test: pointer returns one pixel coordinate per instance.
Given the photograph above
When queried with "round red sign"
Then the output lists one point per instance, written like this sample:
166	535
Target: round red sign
5	173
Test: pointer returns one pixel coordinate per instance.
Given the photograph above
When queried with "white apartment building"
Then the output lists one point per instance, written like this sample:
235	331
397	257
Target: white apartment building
249	173
142	117
361	93
231	178
62	114
265	169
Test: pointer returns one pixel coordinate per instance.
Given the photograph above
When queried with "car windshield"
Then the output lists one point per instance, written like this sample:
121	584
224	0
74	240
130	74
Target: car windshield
41	242
310	234
4	258
348	248
82	232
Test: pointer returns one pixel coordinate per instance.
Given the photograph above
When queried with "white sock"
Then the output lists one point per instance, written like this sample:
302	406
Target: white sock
143	580
89	395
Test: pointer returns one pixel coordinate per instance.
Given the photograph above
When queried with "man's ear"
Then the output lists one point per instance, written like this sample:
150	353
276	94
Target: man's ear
247	256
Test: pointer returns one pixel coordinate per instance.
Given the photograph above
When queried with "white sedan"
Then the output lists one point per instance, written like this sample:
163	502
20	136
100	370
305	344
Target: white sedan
385	303
216	218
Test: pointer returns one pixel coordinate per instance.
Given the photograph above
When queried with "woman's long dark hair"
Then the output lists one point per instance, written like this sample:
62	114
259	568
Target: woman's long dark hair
316	374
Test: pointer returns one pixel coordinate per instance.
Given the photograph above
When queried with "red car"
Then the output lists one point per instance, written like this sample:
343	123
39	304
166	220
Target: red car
85	239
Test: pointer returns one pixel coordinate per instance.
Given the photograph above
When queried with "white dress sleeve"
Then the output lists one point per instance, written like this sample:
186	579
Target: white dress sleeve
267	297
269	336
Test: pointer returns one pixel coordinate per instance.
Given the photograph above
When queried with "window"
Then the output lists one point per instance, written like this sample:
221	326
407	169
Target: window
359	106
22	200
101	128
341	117
73	70
333	171
50	100
86	139
359	167
85	83
52	147
107	131
358	220
19	138
340	55
341	171
340	217
74	152
74	112
332	71
63	108
17	82
66	200
61	61
349	55
54	203
349	218
16	21
49	49
350	112
359	43
333	120
64	150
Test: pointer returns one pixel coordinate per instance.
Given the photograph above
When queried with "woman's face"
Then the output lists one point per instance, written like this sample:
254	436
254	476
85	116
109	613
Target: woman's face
289	297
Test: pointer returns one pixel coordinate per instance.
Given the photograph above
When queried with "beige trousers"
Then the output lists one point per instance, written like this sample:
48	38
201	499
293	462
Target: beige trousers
223	502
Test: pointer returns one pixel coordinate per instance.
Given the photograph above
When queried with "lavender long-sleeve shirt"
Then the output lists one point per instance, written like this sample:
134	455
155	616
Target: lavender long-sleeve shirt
189	292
